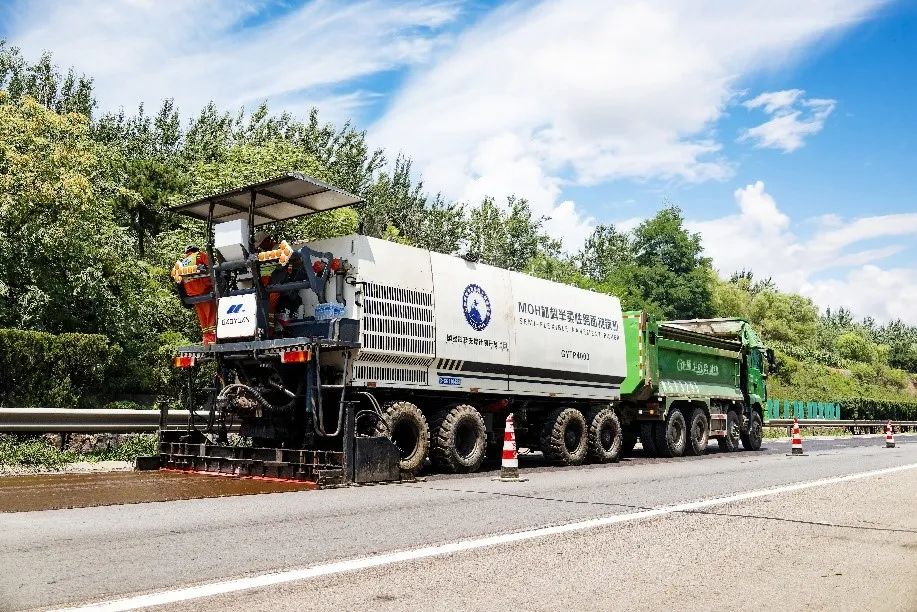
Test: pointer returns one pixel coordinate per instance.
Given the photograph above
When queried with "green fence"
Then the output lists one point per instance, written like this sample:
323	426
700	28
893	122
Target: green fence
788	409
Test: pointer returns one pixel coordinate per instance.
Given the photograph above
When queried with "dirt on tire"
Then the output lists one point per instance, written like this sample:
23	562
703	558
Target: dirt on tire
459	439
751	439
698	433
730	443
671	436
564	437
407	428
605	436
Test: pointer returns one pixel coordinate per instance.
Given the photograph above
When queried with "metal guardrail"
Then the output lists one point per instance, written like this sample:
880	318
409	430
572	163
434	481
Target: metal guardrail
73	420
856	426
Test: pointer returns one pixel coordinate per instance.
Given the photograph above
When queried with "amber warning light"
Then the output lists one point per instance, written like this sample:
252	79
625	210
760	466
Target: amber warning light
184	361
295	356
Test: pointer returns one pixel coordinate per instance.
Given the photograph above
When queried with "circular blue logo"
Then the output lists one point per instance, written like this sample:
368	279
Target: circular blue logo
476	306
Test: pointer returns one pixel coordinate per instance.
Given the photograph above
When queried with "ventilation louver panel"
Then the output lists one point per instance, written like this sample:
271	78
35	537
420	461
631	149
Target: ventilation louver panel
397	333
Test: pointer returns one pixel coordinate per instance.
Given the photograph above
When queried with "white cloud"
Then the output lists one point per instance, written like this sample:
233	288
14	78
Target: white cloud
772	101
883	293
232	53
539	96
790	125
830	265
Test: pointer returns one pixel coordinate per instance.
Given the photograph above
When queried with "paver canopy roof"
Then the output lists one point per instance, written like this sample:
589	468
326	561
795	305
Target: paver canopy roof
285	197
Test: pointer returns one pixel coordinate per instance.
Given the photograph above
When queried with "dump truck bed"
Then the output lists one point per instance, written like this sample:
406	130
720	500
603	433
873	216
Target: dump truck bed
672	360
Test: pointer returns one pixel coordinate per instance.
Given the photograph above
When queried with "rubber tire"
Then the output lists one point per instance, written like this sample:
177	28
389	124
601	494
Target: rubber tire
446	455
667	445
602	423
695	446
629	438
554	436
730	443
648	438
751	440
407	427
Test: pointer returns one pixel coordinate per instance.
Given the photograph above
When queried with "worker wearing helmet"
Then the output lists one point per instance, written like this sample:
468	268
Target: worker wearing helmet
192	287
265	242
278	301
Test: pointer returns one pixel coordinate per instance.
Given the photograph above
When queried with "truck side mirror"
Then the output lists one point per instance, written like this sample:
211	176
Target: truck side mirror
771	360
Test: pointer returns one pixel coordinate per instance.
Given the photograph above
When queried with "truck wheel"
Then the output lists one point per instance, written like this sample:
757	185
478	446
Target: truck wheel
648	438
751	440
730	443
671	437
459	439
605	438
408	429
564	438
628	440
698	433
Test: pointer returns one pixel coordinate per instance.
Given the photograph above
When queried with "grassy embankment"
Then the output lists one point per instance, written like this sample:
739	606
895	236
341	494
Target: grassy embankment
39	453
807	381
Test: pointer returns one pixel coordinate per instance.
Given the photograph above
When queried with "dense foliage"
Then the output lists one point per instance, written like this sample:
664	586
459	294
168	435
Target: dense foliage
53	370
86	239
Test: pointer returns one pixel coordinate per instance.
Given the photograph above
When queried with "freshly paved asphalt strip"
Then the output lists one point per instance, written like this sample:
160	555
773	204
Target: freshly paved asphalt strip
93	554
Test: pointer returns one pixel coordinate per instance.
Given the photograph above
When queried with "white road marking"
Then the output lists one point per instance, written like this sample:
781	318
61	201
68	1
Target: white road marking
353	565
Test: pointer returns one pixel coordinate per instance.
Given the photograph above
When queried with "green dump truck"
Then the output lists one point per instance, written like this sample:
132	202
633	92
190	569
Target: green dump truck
689	381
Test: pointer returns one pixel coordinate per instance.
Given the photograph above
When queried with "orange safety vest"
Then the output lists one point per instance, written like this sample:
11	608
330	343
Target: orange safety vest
197	286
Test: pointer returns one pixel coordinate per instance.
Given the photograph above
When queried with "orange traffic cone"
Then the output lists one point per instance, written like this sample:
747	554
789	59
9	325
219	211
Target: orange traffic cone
797	440
509	468
889	436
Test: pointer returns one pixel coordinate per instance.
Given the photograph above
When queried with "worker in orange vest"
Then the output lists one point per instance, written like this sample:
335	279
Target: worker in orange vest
206	311
292	272
265	243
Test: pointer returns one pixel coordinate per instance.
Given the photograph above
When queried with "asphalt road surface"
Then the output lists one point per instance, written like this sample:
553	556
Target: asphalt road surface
834	530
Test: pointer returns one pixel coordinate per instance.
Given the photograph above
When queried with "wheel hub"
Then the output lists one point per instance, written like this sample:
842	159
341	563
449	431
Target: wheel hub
465	439
572	436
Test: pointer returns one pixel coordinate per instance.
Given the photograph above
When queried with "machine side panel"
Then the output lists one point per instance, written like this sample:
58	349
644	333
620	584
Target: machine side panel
473	325
566	341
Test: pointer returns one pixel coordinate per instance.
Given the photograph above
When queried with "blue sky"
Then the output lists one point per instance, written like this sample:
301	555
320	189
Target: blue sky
783	129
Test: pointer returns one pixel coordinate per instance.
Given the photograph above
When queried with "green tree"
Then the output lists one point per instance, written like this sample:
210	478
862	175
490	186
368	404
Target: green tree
669	273
856	347
43	81
604	251
397	208
730	299
509	238
68	266
784	317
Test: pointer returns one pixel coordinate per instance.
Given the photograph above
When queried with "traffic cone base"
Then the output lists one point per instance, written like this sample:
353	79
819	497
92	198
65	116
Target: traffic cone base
509	467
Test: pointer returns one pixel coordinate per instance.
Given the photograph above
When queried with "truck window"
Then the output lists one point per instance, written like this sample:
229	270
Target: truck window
756	360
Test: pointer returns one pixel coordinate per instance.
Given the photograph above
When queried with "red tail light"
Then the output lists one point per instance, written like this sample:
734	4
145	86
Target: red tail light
184	361
335	264
318	266
295	356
